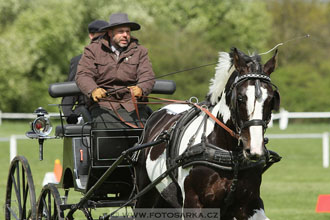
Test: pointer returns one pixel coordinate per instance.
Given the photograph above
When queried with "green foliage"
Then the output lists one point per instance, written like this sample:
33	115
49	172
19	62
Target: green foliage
38	38
302	94
35	52
10	10
221	24
193	35
303	70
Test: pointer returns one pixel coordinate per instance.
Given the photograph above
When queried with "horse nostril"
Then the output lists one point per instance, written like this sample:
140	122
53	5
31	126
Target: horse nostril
251	156
254	157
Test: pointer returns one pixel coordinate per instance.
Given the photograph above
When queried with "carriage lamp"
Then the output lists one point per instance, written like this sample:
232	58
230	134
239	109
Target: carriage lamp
42	126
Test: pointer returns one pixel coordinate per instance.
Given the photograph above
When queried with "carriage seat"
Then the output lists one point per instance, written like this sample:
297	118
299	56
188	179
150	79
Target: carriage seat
72	130
62	89
70	88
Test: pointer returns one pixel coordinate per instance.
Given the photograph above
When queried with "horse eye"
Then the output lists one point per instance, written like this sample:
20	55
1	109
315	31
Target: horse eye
240	98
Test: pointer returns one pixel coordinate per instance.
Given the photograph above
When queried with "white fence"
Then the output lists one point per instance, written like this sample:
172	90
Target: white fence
13	144
325	142
6	115
283	116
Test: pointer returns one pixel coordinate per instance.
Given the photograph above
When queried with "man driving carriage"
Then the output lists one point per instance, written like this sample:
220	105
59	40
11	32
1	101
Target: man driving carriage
113	70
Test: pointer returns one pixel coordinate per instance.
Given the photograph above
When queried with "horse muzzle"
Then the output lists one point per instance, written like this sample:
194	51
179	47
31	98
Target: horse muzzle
253	156
253	152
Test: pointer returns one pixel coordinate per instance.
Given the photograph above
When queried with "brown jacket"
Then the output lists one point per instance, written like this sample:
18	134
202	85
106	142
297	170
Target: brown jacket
99	67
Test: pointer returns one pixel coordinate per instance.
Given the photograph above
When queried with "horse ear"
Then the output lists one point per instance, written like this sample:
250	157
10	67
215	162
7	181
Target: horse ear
276	101
238	60
269	67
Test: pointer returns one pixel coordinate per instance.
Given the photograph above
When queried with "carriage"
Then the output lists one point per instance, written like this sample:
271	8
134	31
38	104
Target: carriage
90	165
220	141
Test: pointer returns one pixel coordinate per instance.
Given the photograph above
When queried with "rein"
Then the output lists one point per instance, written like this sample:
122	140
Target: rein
136	110
205	110
169	101
231	132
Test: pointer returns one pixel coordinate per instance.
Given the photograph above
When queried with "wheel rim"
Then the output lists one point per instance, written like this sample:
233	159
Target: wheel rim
49	202
20	192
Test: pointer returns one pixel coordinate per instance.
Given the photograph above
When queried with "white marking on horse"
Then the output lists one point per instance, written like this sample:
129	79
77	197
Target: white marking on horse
224	69
255	111
175	109
259	214
157	167
224	108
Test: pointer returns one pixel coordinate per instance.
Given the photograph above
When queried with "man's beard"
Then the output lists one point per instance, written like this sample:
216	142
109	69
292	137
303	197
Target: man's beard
120	46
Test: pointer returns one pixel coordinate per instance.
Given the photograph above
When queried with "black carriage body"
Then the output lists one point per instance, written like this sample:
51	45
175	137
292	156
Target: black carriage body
88	153
107	145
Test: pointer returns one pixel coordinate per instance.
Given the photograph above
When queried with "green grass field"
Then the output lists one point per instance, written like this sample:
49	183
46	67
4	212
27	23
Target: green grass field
289	188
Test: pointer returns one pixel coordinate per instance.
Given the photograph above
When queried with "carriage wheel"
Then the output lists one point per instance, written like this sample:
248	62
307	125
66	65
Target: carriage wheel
20	193
49	202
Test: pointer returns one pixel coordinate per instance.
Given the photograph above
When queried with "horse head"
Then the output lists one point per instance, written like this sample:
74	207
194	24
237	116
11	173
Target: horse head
251	97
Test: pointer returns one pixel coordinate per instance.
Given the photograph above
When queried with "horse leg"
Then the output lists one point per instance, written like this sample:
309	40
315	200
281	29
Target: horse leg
152	198
191	197
252	209
258	212
204	187
142	180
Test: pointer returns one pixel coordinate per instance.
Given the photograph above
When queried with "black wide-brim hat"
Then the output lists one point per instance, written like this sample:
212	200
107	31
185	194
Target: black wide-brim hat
121	19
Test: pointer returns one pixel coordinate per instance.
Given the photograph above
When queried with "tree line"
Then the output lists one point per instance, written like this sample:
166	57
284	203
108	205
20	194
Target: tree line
38	38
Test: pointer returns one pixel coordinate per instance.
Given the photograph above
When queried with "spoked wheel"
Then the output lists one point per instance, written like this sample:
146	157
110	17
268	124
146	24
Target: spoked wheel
49	202
20	193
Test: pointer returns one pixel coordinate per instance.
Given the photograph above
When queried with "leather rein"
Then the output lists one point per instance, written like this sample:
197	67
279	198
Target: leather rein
238	81
136	110
171	101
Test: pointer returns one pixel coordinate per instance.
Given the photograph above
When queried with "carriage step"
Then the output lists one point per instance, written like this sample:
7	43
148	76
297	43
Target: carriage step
99	204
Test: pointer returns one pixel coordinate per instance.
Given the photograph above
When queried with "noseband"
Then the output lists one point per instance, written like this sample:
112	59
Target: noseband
234	101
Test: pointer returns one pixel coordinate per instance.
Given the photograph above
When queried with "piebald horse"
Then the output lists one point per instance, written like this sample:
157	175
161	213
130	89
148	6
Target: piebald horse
218	161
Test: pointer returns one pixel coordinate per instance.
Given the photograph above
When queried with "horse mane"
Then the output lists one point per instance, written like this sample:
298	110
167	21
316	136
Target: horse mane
222	73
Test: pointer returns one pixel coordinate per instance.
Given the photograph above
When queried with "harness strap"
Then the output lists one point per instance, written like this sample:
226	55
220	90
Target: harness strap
136	107
166	100
231	132
229	199
254	122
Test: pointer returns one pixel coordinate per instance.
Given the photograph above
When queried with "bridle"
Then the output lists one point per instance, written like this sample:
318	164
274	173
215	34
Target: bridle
258	77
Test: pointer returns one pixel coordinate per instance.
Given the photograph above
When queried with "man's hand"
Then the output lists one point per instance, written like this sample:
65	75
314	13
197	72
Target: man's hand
98	93
137	91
